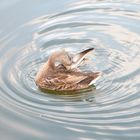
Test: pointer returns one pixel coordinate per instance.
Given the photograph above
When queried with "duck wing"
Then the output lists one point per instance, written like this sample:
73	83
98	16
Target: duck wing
64	81
72	81
78	58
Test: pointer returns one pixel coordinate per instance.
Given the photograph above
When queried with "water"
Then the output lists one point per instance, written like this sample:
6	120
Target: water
30	30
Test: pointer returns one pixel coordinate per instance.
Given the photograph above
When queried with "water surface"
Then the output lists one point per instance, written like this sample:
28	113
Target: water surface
31	30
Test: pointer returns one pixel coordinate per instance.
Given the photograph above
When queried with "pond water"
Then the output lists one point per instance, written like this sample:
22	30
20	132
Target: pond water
30	30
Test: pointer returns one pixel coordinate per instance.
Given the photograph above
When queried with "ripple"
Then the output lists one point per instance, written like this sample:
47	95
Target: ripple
113	30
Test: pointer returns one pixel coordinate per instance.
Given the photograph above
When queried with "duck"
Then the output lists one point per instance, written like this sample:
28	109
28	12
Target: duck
61	72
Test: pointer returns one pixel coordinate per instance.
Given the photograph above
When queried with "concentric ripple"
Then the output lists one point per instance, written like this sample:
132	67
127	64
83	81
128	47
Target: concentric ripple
111	111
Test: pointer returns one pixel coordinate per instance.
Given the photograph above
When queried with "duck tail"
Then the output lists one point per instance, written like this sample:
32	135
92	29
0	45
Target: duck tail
95	76
91	78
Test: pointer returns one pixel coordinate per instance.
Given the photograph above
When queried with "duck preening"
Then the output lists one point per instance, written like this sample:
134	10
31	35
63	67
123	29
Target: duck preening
61	72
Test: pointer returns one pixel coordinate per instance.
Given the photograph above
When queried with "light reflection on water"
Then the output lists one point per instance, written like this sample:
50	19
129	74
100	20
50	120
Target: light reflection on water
111	111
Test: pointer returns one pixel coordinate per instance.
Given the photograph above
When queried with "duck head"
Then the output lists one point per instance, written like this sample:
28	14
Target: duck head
67	60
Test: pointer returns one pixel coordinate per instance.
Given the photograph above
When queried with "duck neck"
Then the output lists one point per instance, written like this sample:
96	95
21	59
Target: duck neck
50	64
45	69
53	58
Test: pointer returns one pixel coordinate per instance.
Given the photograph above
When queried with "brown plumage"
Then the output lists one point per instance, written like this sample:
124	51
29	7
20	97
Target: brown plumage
61	72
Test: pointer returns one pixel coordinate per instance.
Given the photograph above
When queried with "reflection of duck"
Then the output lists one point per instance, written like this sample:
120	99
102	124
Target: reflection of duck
61	72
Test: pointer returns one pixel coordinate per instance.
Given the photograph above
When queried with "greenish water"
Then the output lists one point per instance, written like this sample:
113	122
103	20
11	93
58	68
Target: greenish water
31	30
